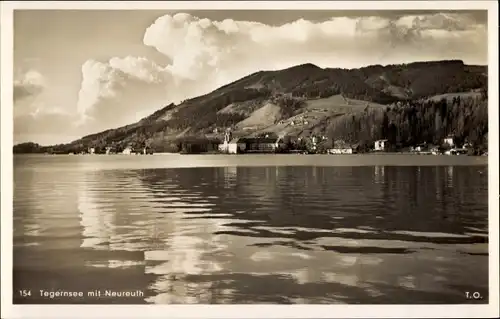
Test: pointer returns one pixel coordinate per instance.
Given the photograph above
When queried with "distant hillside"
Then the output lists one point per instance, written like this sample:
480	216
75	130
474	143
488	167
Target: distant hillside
300	100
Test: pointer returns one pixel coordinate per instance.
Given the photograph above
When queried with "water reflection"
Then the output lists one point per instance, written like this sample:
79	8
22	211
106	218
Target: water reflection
298	219
379	172
449	176
267	234
97	225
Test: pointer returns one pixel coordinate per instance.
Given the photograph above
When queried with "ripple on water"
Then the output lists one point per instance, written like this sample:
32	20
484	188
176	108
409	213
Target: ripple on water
245	235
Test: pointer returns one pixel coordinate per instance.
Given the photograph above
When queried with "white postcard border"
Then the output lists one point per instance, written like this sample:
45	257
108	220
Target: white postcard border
242	311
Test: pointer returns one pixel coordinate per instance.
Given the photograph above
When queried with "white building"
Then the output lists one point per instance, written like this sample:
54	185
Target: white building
347	150
127	150
231	146
340	147
314	140
224	147
381	145
236	146
420	148
456	151
91	150
467	145
449	141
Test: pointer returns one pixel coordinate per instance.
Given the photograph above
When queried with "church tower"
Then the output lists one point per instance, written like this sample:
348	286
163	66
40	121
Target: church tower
227	137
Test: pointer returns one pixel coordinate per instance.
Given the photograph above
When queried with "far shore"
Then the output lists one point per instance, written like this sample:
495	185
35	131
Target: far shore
263	154
177	160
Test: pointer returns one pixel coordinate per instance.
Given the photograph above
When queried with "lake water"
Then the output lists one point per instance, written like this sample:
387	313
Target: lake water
379	229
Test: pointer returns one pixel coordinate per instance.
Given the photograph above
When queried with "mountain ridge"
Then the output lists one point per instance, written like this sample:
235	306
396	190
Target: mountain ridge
315	95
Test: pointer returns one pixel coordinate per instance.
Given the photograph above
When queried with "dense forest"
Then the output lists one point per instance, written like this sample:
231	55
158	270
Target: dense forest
409	118
29	147
418	122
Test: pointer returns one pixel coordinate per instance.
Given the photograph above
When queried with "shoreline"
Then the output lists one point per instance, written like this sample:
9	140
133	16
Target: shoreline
258	154
175	160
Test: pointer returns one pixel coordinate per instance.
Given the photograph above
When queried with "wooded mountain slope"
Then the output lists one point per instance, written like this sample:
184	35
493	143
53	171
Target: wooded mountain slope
306	99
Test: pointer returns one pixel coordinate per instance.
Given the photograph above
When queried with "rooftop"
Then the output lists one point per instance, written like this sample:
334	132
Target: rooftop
255	140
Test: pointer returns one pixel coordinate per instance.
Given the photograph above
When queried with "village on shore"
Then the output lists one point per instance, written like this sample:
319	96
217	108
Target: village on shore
296	145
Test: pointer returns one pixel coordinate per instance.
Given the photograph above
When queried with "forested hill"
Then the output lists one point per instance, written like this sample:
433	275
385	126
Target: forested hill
307	99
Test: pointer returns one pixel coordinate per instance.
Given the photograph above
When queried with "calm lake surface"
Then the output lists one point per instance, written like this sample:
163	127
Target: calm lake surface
251	229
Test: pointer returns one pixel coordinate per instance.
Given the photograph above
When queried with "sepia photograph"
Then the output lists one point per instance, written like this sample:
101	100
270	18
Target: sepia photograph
253	153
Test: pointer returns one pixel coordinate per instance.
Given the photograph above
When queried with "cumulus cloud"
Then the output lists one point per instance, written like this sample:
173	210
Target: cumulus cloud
206	54
113	92
28	92
34	118
29	84
201	47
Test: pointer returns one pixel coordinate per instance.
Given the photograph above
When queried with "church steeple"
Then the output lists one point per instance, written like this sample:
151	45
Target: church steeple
227	136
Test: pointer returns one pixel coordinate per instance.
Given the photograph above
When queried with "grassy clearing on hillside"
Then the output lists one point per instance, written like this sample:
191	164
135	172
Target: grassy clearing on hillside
383	84
262	117
245	108
168	115
396	91
314	118
231	108
339	104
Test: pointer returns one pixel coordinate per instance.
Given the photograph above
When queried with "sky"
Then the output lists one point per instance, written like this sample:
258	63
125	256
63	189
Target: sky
78	72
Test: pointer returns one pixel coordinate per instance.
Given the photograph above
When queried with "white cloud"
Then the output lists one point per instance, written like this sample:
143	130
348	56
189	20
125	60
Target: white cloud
34	118
29	88
206	54
29	84
200	47
113	92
